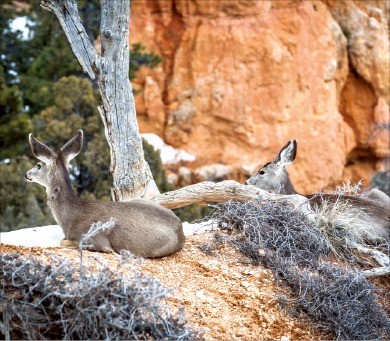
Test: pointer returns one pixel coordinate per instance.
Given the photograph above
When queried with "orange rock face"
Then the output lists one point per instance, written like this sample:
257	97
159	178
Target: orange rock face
241	77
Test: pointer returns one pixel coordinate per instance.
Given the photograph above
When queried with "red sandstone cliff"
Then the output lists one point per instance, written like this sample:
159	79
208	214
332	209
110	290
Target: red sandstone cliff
241	77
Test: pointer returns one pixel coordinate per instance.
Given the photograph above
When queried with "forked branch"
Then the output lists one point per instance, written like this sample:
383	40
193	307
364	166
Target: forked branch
132	177
67	14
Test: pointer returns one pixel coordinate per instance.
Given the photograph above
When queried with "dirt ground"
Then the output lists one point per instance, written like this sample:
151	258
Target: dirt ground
223	294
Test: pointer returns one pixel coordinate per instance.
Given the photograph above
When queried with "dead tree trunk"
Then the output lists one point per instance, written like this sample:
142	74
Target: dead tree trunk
131	174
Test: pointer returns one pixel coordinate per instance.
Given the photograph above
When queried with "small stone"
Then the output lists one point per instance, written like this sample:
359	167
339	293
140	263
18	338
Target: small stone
373	23
200	294
245	284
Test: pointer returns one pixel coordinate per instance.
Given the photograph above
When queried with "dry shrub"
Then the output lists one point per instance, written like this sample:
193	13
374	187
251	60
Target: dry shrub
336	299
61	300
272	228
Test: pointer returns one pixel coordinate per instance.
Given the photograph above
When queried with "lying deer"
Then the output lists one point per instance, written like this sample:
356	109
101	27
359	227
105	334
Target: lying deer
370	214
142	227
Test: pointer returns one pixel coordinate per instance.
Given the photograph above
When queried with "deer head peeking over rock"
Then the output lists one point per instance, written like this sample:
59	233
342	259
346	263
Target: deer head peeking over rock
142	227
369	216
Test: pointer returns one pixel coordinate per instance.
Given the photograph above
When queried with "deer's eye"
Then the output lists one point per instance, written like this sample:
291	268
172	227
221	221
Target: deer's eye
38	166
261	172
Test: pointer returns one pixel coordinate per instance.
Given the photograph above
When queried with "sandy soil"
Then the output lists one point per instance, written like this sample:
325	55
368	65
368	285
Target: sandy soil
223	294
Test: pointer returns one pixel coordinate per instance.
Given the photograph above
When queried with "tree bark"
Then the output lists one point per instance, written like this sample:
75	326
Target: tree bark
217	192
382	259
382	271
131	174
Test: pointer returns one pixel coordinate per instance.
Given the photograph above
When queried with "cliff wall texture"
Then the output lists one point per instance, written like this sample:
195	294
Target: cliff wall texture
239	78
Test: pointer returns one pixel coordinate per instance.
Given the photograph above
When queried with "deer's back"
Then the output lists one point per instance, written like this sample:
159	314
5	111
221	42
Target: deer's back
141	226
135	213
357	212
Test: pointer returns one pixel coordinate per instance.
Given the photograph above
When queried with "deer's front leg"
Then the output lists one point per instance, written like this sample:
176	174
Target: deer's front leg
70	244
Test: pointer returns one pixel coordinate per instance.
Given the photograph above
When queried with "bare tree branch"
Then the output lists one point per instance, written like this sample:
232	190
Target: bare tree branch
211	192
67	14
381	258
131	174
382	271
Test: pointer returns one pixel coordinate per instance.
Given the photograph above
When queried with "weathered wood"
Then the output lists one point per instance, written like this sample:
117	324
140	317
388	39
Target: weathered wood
131	174
382	271
67	14
381	258
211	192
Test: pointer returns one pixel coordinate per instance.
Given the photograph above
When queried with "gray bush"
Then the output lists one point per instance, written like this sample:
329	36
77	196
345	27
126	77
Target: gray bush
336	299
60	300
271	228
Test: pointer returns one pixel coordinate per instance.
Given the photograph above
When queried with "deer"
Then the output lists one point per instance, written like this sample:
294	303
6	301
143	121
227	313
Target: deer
370	214
141	226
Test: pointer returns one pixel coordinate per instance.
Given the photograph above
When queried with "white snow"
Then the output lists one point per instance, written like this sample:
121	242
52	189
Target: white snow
44	236
50	236
6	161
169	155
20	24
196	228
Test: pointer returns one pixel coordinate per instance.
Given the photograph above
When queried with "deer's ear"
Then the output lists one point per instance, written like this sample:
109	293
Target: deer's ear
287	154
72	147
40	150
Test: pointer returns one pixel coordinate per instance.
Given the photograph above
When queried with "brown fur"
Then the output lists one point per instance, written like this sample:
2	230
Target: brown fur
142	227
372	213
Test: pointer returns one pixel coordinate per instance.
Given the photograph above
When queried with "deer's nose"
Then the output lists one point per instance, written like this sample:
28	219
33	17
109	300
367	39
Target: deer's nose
246	183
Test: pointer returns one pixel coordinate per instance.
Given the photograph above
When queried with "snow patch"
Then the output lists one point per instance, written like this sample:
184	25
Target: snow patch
43	236
5	161
169	155
196	228
51	235
21	24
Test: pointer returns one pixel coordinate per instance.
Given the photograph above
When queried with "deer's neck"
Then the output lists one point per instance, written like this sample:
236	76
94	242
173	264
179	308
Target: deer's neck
287	187
63	202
